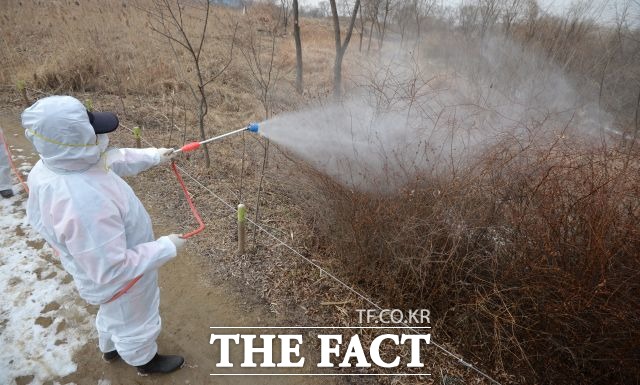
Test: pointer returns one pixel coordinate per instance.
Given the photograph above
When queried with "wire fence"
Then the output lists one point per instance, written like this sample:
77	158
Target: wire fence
322	270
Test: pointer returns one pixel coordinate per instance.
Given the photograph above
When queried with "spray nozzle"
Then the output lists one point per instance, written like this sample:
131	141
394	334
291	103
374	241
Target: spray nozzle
253	127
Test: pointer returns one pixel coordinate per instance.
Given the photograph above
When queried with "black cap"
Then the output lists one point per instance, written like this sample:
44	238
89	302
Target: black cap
103	122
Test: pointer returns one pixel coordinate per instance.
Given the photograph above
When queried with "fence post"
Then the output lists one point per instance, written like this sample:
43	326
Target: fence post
21	86
242	229
137	134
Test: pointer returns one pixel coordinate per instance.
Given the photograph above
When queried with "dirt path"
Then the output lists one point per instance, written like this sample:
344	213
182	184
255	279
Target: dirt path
189	305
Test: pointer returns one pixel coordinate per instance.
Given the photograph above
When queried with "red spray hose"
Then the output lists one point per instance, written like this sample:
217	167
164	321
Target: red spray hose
195	212
125	289
186	148
190	234
13	166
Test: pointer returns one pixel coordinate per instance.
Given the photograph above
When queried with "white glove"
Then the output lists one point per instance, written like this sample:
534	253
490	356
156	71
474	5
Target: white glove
177	240
166	154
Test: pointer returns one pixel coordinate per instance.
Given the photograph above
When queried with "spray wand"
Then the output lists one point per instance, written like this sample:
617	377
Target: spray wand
253	127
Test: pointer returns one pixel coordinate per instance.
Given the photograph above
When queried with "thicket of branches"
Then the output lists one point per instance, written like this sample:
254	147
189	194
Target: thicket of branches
528	257
530	268
526	253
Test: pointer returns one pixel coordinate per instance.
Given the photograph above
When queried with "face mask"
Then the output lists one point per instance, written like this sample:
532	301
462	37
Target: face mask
103	141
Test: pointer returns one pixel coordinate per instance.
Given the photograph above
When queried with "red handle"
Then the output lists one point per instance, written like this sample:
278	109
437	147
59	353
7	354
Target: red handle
195	212
190	146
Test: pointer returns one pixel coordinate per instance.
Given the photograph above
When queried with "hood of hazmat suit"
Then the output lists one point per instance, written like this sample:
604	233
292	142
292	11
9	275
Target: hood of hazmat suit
82	207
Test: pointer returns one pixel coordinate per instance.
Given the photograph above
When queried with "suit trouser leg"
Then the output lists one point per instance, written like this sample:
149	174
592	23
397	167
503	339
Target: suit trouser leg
132	322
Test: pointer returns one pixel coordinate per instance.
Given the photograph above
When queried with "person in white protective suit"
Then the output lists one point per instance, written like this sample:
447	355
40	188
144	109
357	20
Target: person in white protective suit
81	206
6	190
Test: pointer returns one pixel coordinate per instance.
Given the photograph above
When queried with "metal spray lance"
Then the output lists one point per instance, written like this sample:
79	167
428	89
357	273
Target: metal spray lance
253	127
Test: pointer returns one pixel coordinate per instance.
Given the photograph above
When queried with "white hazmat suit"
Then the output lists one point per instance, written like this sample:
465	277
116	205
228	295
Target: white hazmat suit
81	206
5	171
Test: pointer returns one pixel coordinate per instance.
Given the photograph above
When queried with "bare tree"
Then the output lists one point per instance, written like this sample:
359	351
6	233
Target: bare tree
296	37
387	8
489	14
468	18
370	10
260	59
422	9
402	16
374	11
168	19
533	10
260	55
323	8
285	7
341	47
510	14
621	25
362	28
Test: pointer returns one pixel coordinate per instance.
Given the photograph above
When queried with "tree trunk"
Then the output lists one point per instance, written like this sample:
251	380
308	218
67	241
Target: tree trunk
384	23
337	65
361	31
370	35
337	75
341	48
285	17
296	36
203	135
418	23
637	130
203	110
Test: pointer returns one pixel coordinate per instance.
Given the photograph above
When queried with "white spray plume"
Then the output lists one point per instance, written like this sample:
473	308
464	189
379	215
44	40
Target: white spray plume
432	114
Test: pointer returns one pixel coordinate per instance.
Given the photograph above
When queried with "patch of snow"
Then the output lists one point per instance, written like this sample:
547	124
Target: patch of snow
24	165
43	322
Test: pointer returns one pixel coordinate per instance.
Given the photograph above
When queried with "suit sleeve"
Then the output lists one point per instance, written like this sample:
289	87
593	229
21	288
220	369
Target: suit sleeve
131	161
94	236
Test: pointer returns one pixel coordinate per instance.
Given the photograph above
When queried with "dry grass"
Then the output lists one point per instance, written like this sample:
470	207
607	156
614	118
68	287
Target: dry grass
529	259
98	47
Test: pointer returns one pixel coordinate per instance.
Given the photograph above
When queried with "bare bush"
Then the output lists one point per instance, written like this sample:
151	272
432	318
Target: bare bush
527	239
533	253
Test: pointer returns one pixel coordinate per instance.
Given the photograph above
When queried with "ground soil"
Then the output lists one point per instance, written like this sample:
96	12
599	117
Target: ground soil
191	302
